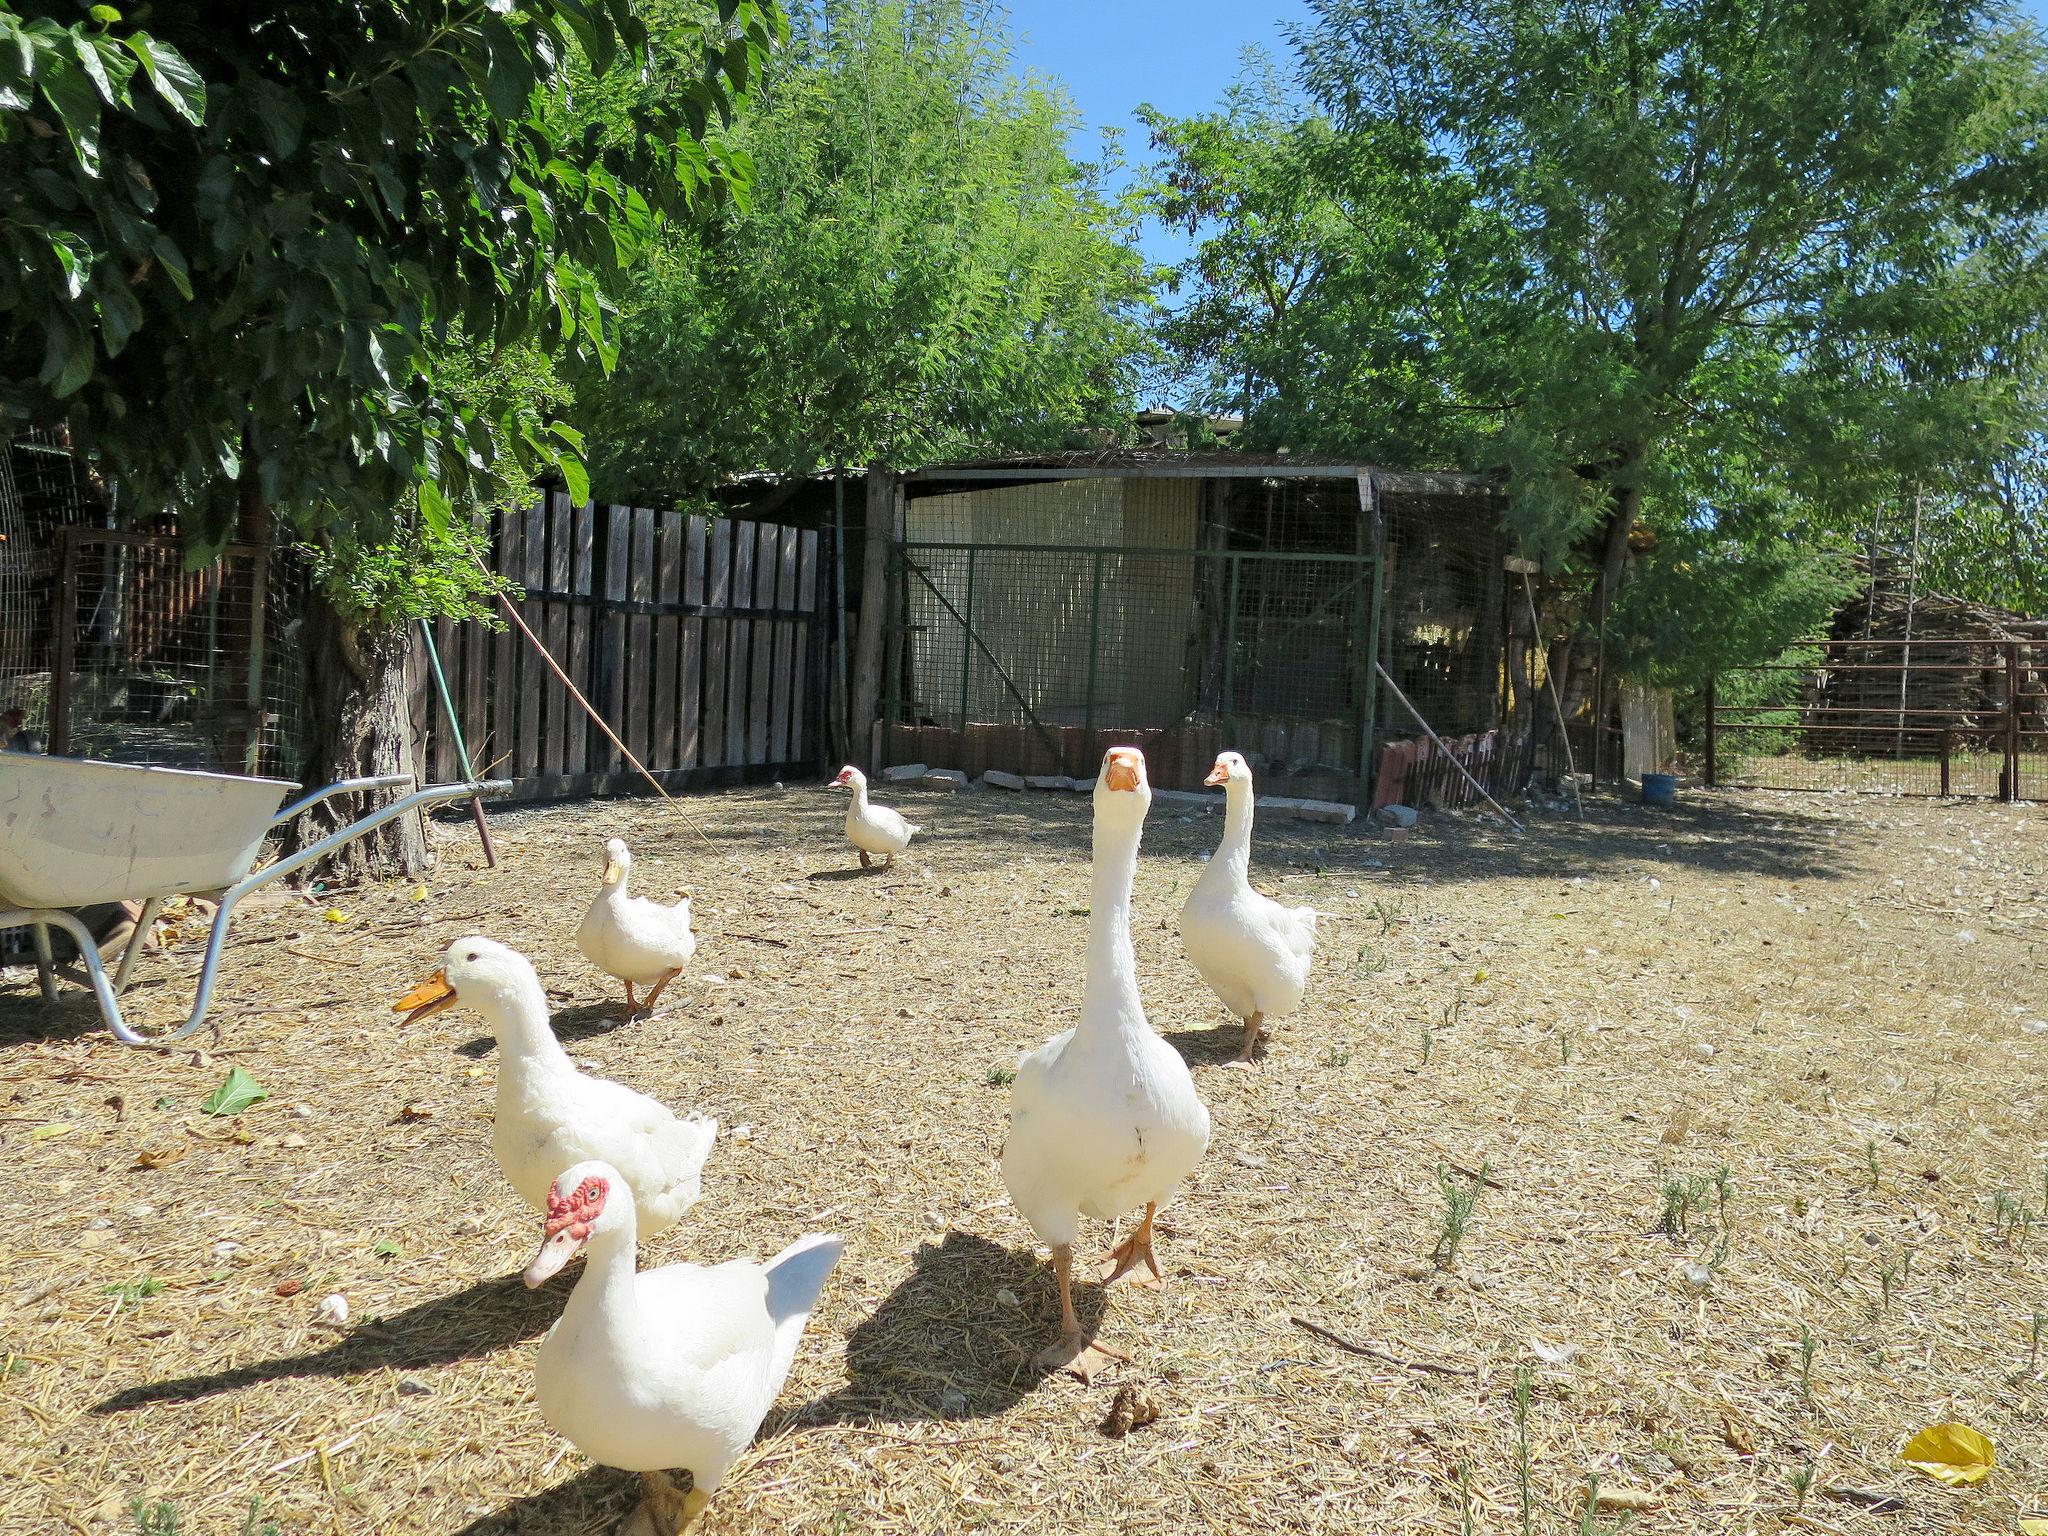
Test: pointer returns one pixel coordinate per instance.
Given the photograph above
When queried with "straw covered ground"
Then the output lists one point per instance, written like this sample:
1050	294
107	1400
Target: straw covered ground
1836	1000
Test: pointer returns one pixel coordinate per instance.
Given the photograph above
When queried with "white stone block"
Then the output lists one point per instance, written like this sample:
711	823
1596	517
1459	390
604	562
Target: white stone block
905	773
1333	812
1395	816
1048	781
944	778
996	778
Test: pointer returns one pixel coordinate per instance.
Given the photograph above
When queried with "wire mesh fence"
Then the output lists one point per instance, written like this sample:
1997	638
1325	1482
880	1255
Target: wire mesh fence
151	662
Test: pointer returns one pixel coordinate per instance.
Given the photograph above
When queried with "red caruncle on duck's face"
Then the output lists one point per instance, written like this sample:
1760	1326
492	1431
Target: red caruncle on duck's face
576	1212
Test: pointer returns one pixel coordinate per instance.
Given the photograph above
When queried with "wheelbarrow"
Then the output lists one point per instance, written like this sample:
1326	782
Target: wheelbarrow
77	833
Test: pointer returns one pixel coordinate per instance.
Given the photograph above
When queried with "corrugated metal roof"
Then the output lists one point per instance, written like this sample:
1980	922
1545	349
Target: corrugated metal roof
1207	464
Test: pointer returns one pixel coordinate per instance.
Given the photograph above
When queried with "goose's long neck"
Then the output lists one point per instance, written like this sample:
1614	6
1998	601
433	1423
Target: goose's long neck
1234	853
860	798
520	1019
1111	992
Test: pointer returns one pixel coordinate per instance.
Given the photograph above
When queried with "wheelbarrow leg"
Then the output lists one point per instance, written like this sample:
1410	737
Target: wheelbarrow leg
214	942
135	942
89	953
46	972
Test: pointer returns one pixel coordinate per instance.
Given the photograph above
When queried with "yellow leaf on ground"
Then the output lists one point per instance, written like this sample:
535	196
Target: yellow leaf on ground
52	1131
336	915
1954	1454
2034	1525
419	893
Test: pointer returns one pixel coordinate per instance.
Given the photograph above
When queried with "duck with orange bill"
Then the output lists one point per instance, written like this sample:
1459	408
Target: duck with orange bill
669	1370
549	1114
632	938
1253	952
1104	1119
875	830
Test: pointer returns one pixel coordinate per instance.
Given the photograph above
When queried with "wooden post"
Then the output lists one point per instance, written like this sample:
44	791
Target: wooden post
879	529
2010	788
63	632
1713	740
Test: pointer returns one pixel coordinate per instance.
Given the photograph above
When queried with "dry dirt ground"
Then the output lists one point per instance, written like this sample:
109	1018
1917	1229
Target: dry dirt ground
1837	1000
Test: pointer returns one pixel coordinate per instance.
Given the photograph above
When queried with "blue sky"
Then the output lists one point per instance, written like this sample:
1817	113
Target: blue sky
1115	55
1178	55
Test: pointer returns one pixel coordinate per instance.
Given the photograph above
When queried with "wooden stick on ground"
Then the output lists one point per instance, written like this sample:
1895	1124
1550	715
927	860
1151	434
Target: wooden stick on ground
1428	1367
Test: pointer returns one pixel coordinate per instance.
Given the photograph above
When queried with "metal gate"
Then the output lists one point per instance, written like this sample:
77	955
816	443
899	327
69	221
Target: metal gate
1032	657
1936	716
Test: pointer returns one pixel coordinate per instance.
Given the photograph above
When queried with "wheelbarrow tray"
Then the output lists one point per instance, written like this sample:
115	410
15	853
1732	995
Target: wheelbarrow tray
75	833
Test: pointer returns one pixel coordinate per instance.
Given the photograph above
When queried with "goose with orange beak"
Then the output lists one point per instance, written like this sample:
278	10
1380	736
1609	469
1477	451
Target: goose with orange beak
1253	952
1104	1119
632	938
549	1114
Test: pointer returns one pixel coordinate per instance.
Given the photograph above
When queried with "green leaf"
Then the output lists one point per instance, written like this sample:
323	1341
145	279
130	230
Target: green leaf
176	81
434	506
237	1091
77	105
576	477
510	79
105	15
75	257
172	260
95	68
280	114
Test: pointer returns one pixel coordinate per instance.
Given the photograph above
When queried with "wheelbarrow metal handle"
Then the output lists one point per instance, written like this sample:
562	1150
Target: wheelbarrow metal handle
345	787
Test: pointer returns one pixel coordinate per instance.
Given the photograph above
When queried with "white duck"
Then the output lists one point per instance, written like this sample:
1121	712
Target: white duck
873	829
632	938
551	1115
667	1369
1251	950
1104	1118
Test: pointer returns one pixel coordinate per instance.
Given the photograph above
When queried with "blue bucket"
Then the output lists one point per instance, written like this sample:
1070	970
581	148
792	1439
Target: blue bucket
1660	789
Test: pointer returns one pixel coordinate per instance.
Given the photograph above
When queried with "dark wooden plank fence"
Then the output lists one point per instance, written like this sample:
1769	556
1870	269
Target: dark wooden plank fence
702	640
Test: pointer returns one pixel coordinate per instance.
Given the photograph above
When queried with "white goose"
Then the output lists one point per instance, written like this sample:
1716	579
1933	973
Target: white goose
632	938
551	1115
1251	950
1104	1118
873	829
668	1369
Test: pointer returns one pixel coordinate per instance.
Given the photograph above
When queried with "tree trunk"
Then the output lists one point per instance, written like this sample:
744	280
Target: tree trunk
358	724
1625	501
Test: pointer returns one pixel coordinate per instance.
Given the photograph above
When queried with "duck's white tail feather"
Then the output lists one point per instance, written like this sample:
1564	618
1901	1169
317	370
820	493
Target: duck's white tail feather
795	1279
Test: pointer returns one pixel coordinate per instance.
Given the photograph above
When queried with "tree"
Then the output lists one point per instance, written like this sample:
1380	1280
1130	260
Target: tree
1732	269
923	269
306	262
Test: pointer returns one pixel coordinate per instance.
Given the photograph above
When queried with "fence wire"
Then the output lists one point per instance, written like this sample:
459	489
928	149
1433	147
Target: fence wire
153	663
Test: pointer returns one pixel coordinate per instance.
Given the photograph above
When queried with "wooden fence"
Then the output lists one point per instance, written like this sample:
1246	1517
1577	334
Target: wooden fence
701	640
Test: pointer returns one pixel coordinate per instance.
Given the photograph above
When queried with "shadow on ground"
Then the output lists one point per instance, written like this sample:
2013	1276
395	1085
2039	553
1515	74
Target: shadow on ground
943	1346
594	1502
478	1320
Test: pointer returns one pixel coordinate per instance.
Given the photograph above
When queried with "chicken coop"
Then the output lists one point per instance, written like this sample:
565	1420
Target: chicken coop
1041	607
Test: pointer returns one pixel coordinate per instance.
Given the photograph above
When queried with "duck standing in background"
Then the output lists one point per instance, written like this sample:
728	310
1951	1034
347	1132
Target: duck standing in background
632	938
664	1370
1104	1118
875	830
1253	952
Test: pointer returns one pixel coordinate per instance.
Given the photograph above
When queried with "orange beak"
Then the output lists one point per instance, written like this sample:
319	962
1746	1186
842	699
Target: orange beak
429	997
1218	775
1122	770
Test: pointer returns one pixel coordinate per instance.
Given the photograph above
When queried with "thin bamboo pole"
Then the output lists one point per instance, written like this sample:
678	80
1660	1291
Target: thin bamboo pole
476	802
